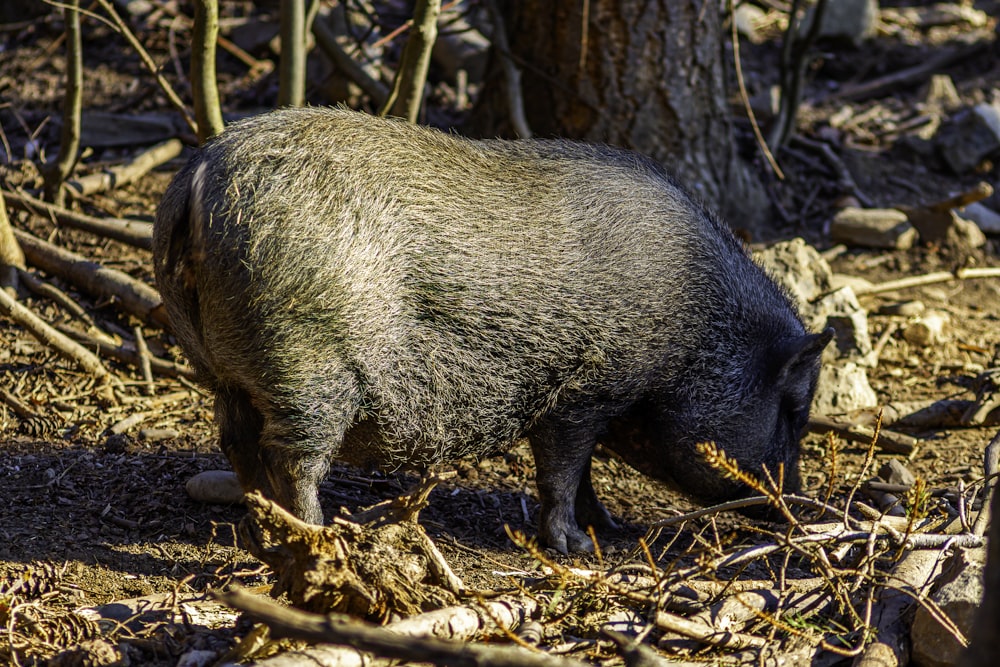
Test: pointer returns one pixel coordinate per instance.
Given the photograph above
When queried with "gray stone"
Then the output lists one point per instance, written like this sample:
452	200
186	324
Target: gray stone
986	218
958	592
873	228
903	309
895	471
848	20
799	268
840	309
929	329
971	136
843	387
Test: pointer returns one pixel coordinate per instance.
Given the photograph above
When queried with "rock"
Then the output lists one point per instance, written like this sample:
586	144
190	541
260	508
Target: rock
799	268
970	137
958	592
158	434
986	218
218	487
198	658
945	228
903	308
873	228
895	471
840	309
843	383
841	388
102	129
847	20
929	329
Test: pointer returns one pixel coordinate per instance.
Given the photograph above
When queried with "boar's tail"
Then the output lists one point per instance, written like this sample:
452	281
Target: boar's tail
178	251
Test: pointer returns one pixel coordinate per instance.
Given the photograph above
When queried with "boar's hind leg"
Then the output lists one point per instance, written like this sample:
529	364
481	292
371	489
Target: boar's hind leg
589	510
562	450
240	426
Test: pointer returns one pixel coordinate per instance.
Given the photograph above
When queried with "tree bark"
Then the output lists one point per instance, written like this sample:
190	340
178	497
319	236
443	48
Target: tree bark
648	76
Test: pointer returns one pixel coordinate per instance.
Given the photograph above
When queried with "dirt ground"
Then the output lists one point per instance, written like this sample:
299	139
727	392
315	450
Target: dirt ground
108	512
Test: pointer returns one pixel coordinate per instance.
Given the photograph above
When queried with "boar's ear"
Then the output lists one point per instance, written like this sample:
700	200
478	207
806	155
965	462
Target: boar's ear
798	357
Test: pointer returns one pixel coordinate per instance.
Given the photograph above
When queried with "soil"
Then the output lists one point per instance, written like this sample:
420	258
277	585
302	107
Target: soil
108	512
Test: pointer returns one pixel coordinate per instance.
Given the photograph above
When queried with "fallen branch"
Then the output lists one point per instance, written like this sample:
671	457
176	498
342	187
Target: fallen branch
147	60
908	76
145	360
929	279
991	463
48	336
891	647
334	629
130	172
706	633
981	191
135	297
326	39
128	354
132	232
39	287
450	623
890	441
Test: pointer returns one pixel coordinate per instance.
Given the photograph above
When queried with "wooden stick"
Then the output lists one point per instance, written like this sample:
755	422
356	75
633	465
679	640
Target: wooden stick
991	463
962	199
144	360
910	75
147	60
11	257
48	291
132	232
707	634
48	336
130	172
326	39
334	629
929	279
897	443
135	297
128	354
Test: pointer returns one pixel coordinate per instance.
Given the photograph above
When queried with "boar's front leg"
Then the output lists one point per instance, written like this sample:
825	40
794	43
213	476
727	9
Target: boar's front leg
240	425
562	448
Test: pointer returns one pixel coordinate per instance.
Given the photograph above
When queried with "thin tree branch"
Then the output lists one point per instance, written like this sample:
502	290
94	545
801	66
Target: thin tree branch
69	139
408	89
292	65
204	86
147	60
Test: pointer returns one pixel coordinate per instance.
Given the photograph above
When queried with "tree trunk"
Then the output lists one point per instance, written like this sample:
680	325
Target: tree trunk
648	76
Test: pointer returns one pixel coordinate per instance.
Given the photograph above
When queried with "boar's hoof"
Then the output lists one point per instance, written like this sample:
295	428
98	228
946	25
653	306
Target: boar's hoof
565	539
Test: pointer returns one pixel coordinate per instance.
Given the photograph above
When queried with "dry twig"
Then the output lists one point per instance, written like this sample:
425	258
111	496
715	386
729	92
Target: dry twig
132	232
135	297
